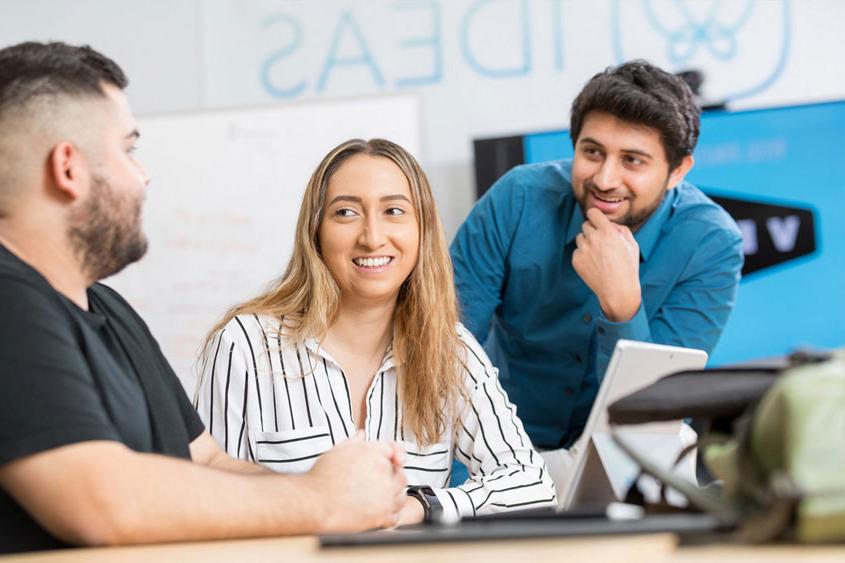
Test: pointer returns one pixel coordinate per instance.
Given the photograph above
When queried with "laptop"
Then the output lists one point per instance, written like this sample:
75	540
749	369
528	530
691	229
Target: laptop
600	472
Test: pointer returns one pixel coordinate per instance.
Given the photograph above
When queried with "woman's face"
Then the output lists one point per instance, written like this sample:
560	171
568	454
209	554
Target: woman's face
369	235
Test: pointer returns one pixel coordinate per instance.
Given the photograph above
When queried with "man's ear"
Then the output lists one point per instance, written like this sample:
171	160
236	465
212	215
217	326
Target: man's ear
68	170
677	175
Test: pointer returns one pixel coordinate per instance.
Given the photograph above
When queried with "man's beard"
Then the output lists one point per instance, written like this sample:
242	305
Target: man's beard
634	218
105	232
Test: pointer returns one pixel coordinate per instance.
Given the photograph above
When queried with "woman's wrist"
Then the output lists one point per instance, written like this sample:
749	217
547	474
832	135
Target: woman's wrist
412	513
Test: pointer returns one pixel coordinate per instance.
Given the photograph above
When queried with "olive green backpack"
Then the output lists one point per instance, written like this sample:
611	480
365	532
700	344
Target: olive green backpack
784	467
774	438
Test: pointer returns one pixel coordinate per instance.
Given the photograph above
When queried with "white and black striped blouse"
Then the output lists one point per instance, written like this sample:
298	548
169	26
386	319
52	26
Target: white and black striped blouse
267	400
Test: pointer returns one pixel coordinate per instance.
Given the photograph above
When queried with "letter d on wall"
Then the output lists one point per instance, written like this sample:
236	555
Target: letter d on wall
493	39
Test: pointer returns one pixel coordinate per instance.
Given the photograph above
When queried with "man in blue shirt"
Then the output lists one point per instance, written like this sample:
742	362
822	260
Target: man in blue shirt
561	259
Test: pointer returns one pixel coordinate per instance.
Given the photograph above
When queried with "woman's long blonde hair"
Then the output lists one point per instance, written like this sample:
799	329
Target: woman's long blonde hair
425	343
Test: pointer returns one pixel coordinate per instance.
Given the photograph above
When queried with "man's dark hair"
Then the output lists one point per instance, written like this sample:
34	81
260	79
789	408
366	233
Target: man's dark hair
29	70
640	93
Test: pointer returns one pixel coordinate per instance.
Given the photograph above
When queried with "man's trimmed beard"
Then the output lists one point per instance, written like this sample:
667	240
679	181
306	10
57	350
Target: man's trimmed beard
105	232
634	218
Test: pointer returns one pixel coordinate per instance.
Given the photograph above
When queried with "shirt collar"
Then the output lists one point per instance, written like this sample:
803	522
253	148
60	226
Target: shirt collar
313	346
388	361
646	236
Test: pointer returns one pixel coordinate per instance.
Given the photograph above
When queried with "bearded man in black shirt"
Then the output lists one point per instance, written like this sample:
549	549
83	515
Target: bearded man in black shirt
98	442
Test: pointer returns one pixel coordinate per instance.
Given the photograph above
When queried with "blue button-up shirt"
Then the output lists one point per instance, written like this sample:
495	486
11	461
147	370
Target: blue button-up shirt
540	323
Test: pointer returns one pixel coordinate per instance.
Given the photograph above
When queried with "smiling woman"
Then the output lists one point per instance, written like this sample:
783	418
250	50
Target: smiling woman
369	236
361	334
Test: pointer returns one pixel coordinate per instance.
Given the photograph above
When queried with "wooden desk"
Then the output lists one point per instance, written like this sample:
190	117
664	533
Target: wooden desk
306	550
628	549
759	554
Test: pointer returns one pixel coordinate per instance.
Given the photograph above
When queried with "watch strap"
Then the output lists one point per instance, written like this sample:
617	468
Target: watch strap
432	509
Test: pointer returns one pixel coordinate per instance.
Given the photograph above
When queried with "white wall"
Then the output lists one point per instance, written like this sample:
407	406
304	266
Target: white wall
481	67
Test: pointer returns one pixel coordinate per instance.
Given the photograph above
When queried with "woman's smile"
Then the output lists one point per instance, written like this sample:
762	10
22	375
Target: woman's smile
373	264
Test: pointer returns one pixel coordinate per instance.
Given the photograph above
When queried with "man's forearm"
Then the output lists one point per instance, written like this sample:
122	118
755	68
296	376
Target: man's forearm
122	497
227	500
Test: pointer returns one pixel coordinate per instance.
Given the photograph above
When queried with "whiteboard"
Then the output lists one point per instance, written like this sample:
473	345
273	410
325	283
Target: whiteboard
222	205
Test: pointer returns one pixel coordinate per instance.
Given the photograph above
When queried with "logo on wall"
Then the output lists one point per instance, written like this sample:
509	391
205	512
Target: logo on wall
723	39
771	234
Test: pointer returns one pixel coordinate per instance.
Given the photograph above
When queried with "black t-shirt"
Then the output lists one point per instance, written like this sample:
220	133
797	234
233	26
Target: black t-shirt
69	375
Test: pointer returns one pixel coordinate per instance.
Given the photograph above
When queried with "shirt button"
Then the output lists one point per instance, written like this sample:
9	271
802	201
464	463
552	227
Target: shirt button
600	330
568	391
588	318
578	358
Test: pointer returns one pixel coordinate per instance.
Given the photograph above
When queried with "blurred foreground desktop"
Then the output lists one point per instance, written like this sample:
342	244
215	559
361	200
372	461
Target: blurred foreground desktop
780	172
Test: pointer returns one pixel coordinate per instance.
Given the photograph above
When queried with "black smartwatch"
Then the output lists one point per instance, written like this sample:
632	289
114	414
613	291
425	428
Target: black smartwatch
432	509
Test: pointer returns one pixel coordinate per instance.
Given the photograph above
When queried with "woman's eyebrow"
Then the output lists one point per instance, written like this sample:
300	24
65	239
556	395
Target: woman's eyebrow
394	197
351	198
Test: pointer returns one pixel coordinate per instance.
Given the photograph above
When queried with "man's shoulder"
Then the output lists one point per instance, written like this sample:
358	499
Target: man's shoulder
693	209
23	289
538	178
14	270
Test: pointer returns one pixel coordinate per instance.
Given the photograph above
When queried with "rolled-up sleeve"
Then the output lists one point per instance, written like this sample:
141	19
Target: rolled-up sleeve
695	311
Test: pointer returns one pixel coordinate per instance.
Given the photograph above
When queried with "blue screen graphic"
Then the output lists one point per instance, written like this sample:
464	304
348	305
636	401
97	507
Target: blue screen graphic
788	156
